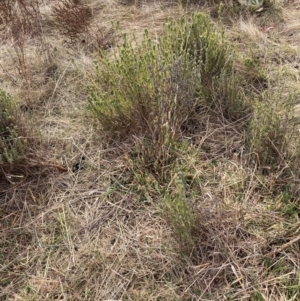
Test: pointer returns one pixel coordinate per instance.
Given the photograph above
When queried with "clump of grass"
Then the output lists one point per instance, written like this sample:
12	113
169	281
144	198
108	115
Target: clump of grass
73	17
178	211
273	130
12	145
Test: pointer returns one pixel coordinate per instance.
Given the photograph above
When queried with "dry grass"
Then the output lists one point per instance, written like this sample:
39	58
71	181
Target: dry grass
101	231
73	17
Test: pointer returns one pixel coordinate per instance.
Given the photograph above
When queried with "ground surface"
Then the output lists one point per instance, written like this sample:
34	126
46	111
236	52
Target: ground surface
93	234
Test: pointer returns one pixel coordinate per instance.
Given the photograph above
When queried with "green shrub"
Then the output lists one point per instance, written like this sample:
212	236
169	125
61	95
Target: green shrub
154	87
12	147
160	91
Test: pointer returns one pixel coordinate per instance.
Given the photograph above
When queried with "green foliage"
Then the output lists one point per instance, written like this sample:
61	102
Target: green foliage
138	90
199	40
11	145
152	91
273	134
152	88
178	212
